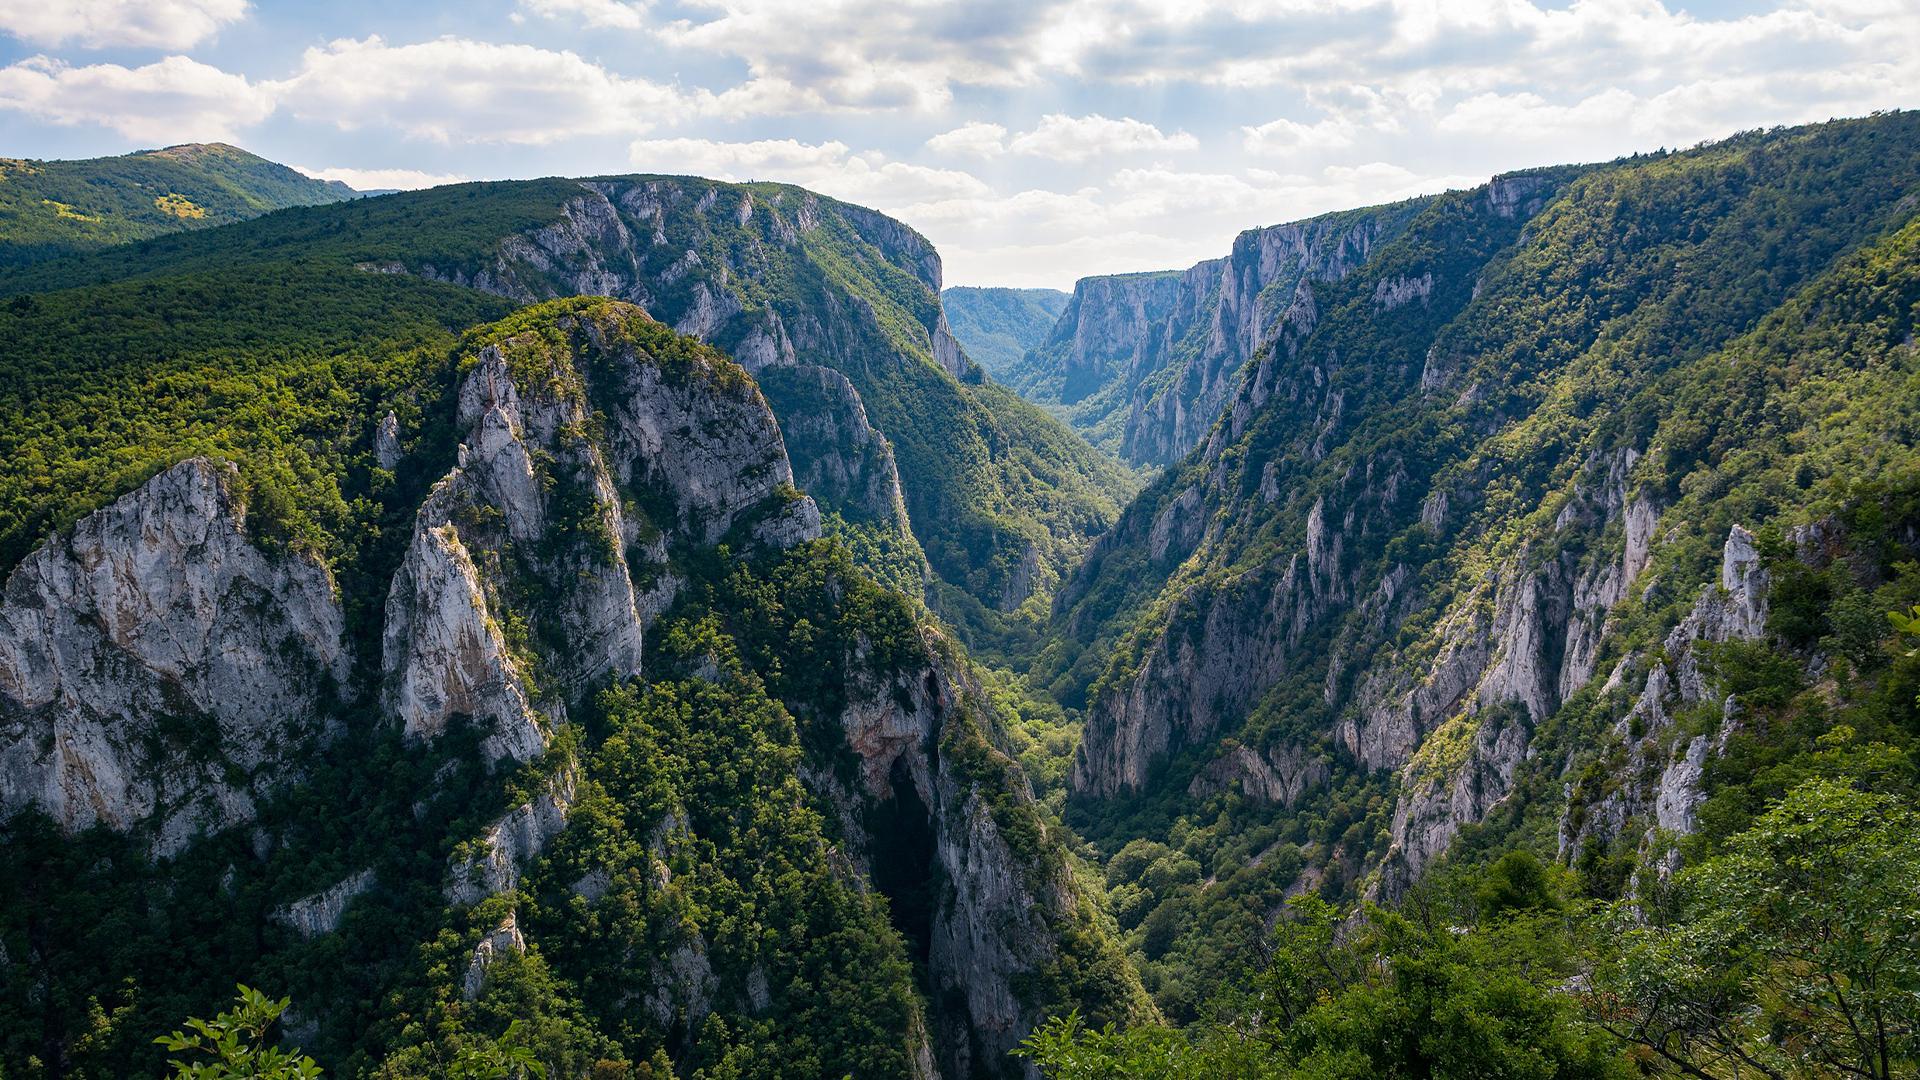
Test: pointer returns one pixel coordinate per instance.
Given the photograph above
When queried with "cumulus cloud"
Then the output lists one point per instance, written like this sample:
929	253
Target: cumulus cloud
971	139
614	14
154	24
1288	136
171	100
1077	138
381	179
831	168
456	89
1144	218
1062	138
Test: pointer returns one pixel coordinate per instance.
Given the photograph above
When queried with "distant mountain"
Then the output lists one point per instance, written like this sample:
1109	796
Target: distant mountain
1142	363
50	208
998	326
834	308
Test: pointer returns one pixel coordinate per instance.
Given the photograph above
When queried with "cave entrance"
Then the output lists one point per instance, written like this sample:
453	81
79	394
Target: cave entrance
900	854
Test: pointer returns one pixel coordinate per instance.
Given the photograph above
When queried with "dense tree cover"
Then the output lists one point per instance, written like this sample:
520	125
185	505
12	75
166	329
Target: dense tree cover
283	370
1737	317
236	1041
50	208
998	326
720	930
1793	953
1741	318
987	475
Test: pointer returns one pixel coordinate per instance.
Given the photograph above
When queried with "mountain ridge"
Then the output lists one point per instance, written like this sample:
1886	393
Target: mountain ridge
54	208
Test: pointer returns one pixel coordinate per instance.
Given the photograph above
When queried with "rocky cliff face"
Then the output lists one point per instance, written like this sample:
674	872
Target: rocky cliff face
844	303
1404	509
919	740
1144	363
160	669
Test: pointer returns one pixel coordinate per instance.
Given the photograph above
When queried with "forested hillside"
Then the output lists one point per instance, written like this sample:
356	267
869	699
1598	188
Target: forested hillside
506	700
998	326
998	497
50	208
1537	536
614	628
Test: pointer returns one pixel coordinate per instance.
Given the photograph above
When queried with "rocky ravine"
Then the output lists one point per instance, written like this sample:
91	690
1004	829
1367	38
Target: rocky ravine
159	670
1313	539
1144	363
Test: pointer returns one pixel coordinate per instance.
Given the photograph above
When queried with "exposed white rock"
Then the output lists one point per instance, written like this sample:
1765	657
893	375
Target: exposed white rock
1517	196
1280	777
160	607
446	655
1177	526
312	916
708	439
502	940
511	844
1681	792
1390	293
837	455
989	930
684	981
386	442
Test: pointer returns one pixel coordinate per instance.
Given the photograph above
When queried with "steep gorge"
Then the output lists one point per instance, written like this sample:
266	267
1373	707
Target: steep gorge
171	677
1469	503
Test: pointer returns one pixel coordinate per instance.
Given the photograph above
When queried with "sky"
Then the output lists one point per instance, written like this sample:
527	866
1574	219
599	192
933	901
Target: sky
1033	141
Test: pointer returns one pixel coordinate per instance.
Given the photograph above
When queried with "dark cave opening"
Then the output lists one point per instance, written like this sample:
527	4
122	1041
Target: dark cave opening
900	854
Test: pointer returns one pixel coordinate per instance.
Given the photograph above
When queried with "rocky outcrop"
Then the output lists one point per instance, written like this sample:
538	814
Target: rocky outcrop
159	667
1656	794
531	533
504	939
842	460
1277	777
510	845
387	451
312	916
447	656
928	787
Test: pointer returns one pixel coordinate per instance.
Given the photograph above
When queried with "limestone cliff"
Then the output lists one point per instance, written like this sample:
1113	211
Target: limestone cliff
159	669
999	904
163	669
1144	363
840	307
1452	505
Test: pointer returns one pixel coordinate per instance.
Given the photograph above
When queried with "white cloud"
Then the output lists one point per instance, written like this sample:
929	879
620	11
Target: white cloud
1062	138
1077	138
169	101
1143	218
381	179
455	89
830	168
1285	136
613	14
971	139
155	24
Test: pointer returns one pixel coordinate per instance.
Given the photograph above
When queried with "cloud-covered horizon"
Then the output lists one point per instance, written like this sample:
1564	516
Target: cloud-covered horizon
1034	141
